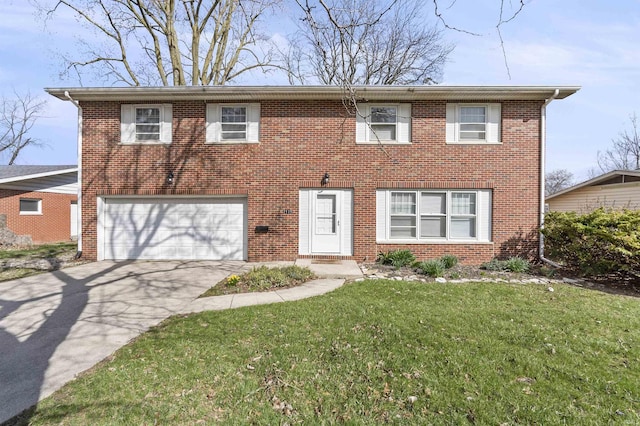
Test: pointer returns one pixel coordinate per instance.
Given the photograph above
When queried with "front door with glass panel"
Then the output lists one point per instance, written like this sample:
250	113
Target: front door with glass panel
325	226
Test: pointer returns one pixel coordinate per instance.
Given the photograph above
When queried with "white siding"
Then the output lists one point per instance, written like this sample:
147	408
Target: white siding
586	199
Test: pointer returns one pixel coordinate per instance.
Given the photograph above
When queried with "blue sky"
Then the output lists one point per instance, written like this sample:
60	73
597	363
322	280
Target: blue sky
588	43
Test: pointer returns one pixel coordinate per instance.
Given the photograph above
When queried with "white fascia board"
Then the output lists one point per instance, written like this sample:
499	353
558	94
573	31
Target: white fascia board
38	175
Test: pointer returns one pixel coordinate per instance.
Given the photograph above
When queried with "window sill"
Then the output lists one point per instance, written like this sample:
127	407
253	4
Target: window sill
232	142
145	143
382	143
473	143
437	242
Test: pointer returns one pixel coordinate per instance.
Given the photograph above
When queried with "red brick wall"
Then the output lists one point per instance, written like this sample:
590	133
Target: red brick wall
53	225
300	140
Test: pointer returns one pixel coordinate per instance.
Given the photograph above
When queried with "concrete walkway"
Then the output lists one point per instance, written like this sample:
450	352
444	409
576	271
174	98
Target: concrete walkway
332	275
56	325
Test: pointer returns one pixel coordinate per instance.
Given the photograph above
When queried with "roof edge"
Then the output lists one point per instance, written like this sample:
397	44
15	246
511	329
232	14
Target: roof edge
311	92
594	180
38	175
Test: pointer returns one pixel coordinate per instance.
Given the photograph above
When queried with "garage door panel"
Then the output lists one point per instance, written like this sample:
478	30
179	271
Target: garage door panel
177	228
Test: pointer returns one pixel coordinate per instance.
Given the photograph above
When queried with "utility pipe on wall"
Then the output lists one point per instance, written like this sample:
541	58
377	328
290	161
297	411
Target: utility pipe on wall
543	148
77	104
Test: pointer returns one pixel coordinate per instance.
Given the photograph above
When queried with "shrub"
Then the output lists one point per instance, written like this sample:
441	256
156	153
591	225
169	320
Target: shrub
513	264
494	265
602	242
449	261
396	258
517	264
433	268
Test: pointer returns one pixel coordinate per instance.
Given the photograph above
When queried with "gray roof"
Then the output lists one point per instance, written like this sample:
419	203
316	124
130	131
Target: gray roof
7	172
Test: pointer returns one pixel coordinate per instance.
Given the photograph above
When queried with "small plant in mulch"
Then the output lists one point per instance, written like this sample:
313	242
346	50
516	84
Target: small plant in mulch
396	258
433	268
513	264
261	278
436	267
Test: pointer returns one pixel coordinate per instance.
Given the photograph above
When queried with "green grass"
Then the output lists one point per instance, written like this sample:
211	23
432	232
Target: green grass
39	252
472	353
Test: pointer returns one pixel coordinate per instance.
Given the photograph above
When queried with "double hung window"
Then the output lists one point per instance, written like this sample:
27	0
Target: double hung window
383	123
146	124
474	123
231	123
433	215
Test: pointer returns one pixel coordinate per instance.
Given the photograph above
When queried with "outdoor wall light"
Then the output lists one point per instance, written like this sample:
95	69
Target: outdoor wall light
325	179
170	178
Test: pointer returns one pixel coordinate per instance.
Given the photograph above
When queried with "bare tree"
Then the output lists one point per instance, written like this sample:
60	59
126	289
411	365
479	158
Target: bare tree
168	42
352	42
557	180
506	13
624	153
17	117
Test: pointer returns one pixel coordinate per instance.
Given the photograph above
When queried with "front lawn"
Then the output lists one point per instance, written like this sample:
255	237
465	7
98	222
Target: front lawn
42	251
374	352
25	261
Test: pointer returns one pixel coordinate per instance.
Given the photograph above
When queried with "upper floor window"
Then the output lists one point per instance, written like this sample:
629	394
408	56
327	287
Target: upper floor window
382	123
30	206
233	123
473	123
146	124
228	123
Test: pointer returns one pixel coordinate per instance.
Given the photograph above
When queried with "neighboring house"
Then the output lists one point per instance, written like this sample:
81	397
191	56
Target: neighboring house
40	201
277	173
614	190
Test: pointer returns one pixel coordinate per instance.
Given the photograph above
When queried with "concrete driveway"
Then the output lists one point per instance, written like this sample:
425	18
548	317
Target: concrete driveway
56	325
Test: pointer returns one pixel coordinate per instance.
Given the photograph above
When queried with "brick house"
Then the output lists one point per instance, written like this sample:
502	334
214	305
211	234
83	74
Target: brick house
279	173
40	201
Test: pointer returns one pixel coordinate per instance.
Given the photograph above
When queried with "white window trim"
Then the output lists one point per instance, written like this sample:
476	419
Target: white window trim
214	124
128	124
482	216
25	213
493	124
403	124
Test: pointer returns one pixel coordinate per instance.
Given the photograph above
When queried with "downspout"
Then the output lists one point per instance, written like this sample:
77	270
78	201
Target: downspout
77	104
543	148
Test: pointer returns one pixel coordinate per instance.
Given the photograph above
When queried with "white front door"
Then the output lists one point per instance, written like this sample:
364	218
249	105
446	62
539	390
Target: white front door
326	222
325	237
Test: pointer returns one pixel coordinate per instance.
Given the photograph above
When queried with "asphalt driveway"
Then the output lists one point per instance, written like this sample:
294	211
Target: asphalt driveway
56	325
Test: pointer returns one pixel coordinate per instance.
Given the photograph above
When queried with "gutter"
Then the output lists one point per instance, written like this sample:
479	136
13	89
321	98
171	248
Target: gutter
543	148
77	104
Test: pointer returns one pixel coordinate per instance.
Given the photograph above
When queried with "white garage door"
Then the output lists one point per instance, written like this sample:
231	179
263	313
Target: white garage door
173	228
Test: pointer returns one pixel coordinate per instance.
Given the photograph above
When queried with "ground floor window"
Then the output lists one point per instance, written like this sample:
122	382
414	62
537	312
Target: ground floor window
30	206
433	215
